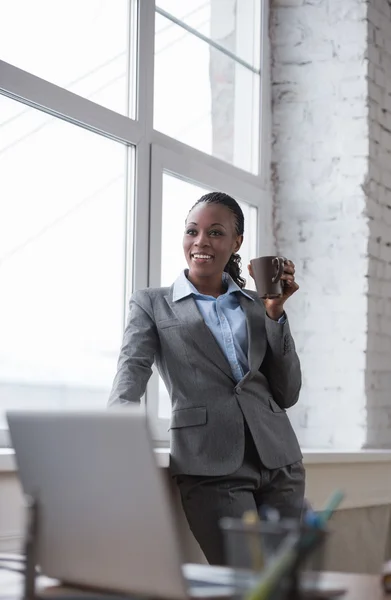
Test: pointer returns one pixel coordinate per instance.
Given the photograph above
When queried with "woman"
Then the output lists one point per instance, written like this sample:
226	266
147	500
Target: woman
230	366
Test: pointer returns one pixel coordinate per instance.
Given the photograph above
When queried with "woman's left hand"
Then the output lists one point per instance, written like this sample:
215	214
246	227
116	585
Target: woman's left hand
275	306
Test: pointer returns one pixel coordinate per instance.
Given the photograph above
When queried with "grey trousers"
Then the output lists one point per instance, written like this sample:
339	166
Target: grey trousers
206	500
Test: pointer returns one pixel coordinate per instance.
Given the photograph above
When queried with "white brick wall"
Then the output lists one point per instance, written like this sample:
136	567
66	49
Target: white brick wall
332	182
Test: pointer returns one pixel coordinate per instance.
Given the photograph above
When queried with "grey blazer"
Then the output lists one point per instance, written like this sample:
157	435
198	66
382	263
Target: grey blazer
208	406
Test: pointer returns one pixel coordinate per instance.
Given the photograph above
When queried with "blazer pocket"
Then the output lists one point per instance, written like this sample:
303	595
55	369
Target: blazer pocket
167	323
274	406
188	417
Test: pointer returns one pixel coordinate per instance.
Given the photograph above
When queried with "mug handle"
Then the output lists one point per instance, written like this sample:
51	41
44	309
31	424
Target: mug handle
279	262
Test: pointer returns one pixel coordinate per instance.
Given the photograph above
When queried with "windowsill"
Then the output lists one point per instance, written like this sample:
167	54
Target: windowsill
317	457
7	460
364	476
322	456
311	457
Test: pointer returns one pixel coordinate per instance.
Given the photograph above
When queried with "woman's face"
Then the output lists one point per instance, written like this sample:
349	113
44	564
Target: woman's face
210	238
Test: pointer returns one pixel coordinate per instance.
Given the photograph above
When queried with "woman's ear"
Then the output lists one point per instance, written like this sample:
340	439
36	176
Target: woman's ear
238	243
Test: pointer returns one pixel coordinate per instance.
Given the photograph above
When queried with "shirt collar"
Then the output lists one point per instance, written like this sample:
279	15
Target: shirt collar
183	287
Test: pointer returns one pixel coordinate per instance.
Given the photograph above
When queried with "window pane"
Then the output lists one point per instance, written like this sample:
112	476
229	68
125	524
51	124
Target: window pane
234	24
178	198
62	260
81	46
204	98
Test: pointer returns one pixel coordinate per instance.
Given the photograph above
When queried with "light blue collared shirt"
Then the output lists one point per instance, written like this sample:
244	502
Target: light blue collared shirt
224	317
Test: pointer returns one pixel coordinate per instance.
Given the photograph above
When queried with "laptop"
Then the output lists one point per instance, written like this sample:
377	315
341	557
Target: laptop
104	514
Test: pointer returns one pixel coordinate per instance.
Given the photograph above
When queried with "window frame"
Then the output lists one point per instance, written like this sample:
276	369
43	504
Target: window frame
155	153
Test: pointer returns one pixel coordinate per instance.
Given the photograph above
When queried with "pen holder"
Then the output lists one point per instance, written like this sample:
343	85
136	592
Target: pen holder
251	549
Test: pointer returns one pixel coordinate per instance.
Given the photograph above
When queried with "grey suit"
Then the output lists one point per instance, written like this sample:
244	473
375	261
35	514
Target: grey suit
232	446
207	425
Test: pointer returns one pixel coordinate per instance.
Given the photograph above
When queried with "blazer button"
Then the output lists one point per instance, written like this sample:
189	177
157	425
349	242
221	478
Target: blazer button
238	390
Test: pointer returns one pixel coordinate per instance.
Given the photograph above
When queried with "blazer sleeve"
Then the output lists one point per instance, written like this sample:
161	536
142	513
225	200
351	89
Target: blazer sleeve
281	365
139	346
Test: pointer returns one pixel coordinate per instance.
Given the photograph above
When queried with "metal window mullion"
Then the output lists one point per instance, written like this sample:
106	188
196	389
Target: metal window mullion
63	104
265	107
145	76
188	153
143	221
132	56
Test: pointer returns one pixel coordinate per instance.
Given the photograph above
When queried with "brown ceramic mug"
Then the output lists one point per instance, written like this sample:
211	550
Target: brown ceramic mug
267	272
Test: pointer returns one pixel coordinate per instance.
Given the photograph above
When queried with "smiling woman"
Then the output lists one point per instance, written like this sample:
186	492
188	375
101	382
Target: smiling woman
230	367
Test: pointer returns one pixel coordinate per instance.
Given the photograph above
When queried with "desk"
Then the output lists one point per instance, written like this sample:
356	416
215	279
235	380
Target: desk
360	587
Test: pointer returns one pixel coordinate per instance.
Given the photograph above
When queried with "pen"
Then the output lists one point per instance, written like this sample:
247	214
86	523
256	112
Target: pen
331	505
313	519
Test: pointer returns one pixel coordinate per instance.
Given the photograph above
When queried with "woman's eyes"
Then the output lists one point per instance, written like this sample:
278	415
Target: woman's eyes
213	232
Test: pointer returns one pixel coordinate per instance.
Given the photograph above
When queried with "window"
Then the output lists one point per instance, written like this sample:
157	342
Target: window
207	59
62	257
113	123
80	46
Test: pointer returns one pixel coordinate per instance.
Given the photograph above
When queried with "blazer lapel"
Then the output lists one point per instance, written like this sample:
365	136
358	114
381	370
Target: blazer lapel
188	314
255	318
